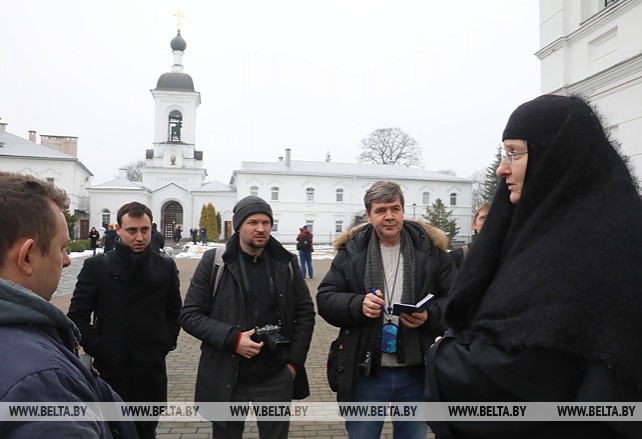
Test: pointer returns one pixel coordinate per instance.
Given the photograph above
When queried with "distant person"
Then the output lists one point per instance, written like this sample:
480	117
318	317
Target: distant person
458	255
157	239
256	325
178	234
110	238
38	344
305	247
94	236
194	233
203	232
134	297
378	356
547	305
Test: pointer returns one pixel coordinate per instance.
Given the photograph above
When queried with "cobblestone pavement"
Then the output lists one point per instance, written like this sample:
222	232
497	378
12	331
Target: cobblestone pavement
183	362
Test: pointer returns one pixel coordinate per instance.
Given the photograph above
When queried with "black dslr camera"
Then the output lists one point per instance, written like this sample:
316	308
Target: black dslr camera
271	335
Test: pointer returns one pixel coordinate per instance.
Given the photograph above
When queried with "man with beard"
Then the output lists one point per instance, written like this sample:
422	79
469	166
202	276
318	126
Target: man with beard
252	286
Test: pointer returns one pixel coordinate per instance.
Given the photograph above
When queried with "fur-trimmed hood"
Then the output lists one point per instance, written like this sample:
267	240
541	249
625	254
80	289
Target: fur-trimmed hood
437	236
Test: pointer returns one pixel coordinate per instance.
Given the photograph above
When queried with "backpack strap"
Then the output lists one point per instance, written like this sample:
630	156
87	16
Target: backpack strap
217	269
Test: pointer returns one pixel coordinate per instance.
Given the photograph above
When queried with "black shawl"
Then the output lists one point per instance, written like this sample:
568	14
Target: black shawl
561	269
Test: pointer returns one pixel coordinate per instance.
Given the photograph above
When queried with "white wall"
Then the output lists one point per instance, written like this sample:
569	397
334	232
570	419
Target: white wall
67	174
596	51
292	210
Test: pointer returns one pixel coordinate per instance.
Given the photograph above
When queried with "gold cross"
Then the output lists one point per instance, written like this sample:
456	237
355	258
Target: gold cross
180	15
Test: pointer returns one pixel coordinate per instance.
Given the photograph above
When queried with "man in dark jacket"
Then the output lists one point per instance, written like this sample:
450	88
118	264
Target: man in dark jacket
379	356
134	295
110	238
38	344
257	283
158	240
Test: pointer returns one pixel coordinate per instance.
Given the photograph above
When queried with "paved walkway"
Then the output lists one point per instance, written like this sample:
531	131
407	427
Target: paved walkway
183	362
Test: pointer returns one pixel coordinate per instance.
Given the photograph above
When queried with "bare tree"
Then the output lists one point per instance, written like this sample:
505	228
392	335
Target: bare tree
133	170
478	178
390	146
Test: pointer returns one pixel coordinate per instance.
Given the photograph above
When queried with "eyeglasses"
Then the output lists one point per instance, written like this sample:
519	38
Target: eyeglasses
508	156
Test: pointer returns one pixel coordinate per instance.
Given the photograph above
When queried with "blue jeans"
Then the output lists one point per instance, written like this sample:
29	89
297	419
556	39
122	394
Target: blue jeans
394	384
306	258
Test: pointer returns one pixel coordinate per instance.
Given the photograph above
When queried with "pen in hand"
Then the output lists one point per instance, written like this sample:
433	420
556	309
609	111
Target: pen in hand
383	307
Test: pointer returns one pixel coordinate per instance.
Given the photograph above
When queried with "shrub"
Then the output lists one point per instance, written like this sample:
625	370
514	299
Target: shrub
76	246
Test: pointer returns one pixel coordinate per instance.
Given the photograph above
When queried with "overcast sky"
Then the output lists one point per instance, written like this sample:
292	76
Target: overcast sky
312	76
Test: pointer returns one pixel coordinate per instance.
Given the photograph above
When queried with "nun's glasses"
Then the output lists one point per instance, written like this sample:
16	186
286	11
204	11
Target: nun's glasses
508	156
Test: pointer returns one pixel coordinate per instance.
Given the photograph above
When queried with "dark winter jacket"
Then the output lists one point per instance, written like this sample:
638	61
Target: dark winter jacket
94	236
342	290
158	241
213	320
39	364
109	240
137	306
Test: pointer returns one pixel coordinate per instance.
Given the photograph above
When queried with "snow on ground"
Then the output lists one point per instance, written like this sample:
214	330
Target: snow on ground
191	251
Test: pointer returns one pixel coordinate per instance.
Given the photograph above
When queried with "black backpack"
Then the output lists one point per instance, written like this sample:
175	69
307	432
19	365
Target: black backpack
304	243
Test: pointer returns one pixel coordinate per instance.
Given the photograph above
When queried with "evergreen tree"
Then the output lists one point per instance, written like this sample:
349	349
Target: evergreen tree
440	217
491	181
71	223
219	221
208	219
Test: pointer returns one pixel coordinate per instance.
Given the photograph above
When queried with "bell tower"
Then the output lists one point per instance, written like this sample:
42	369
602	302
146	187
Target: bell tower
174	147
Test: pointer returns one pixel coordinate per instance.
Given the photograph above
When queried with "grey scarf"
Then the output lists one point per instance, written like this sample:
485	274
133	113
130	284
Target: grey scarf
409	350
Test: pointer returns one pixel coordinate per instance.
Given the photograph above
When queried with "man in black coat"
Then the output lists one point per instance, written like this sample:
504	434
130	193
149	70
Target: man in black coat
135	298
255	283
157	242
379	356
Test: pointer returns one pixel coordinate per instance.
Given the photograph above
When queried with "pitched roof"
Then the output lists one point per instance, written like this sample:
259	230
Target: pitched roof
365	170
214	186
15	146
120	183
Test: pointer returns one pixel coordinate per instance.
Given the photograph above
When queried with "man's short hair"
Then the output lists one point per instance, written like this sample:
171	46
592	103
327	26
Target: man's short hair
480	209
25	210
135	210
383	192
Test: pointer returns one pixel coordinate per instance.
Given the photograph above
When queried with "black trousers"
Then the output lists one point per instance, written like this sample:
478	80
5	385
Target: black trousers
276	388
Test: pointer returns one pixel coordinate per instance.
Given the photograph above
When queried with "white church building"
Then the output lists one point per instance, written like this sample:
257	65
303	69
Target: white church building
594	48
326	196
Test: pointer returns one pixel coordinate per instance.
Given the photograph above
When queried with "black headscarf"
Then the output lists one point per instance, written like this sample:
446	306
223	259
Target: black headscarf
559	270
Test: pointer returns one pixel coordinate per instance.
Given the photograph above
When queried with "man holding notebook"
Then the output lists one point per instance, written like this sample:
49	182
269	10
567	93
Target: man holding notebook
378	355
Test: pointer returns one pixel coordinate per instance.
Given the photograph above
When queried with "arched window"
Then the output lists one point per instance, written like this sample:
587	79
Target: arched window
106	218
339	195
275	193
425	198
254	191
174	127
309	194
453	199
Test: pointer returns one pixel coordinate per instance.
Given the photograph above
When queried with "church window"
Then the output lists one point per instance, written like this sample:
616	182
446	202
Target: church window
175	126
254	191
309	194
339	195
275	193
453	199
106	218
425	198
